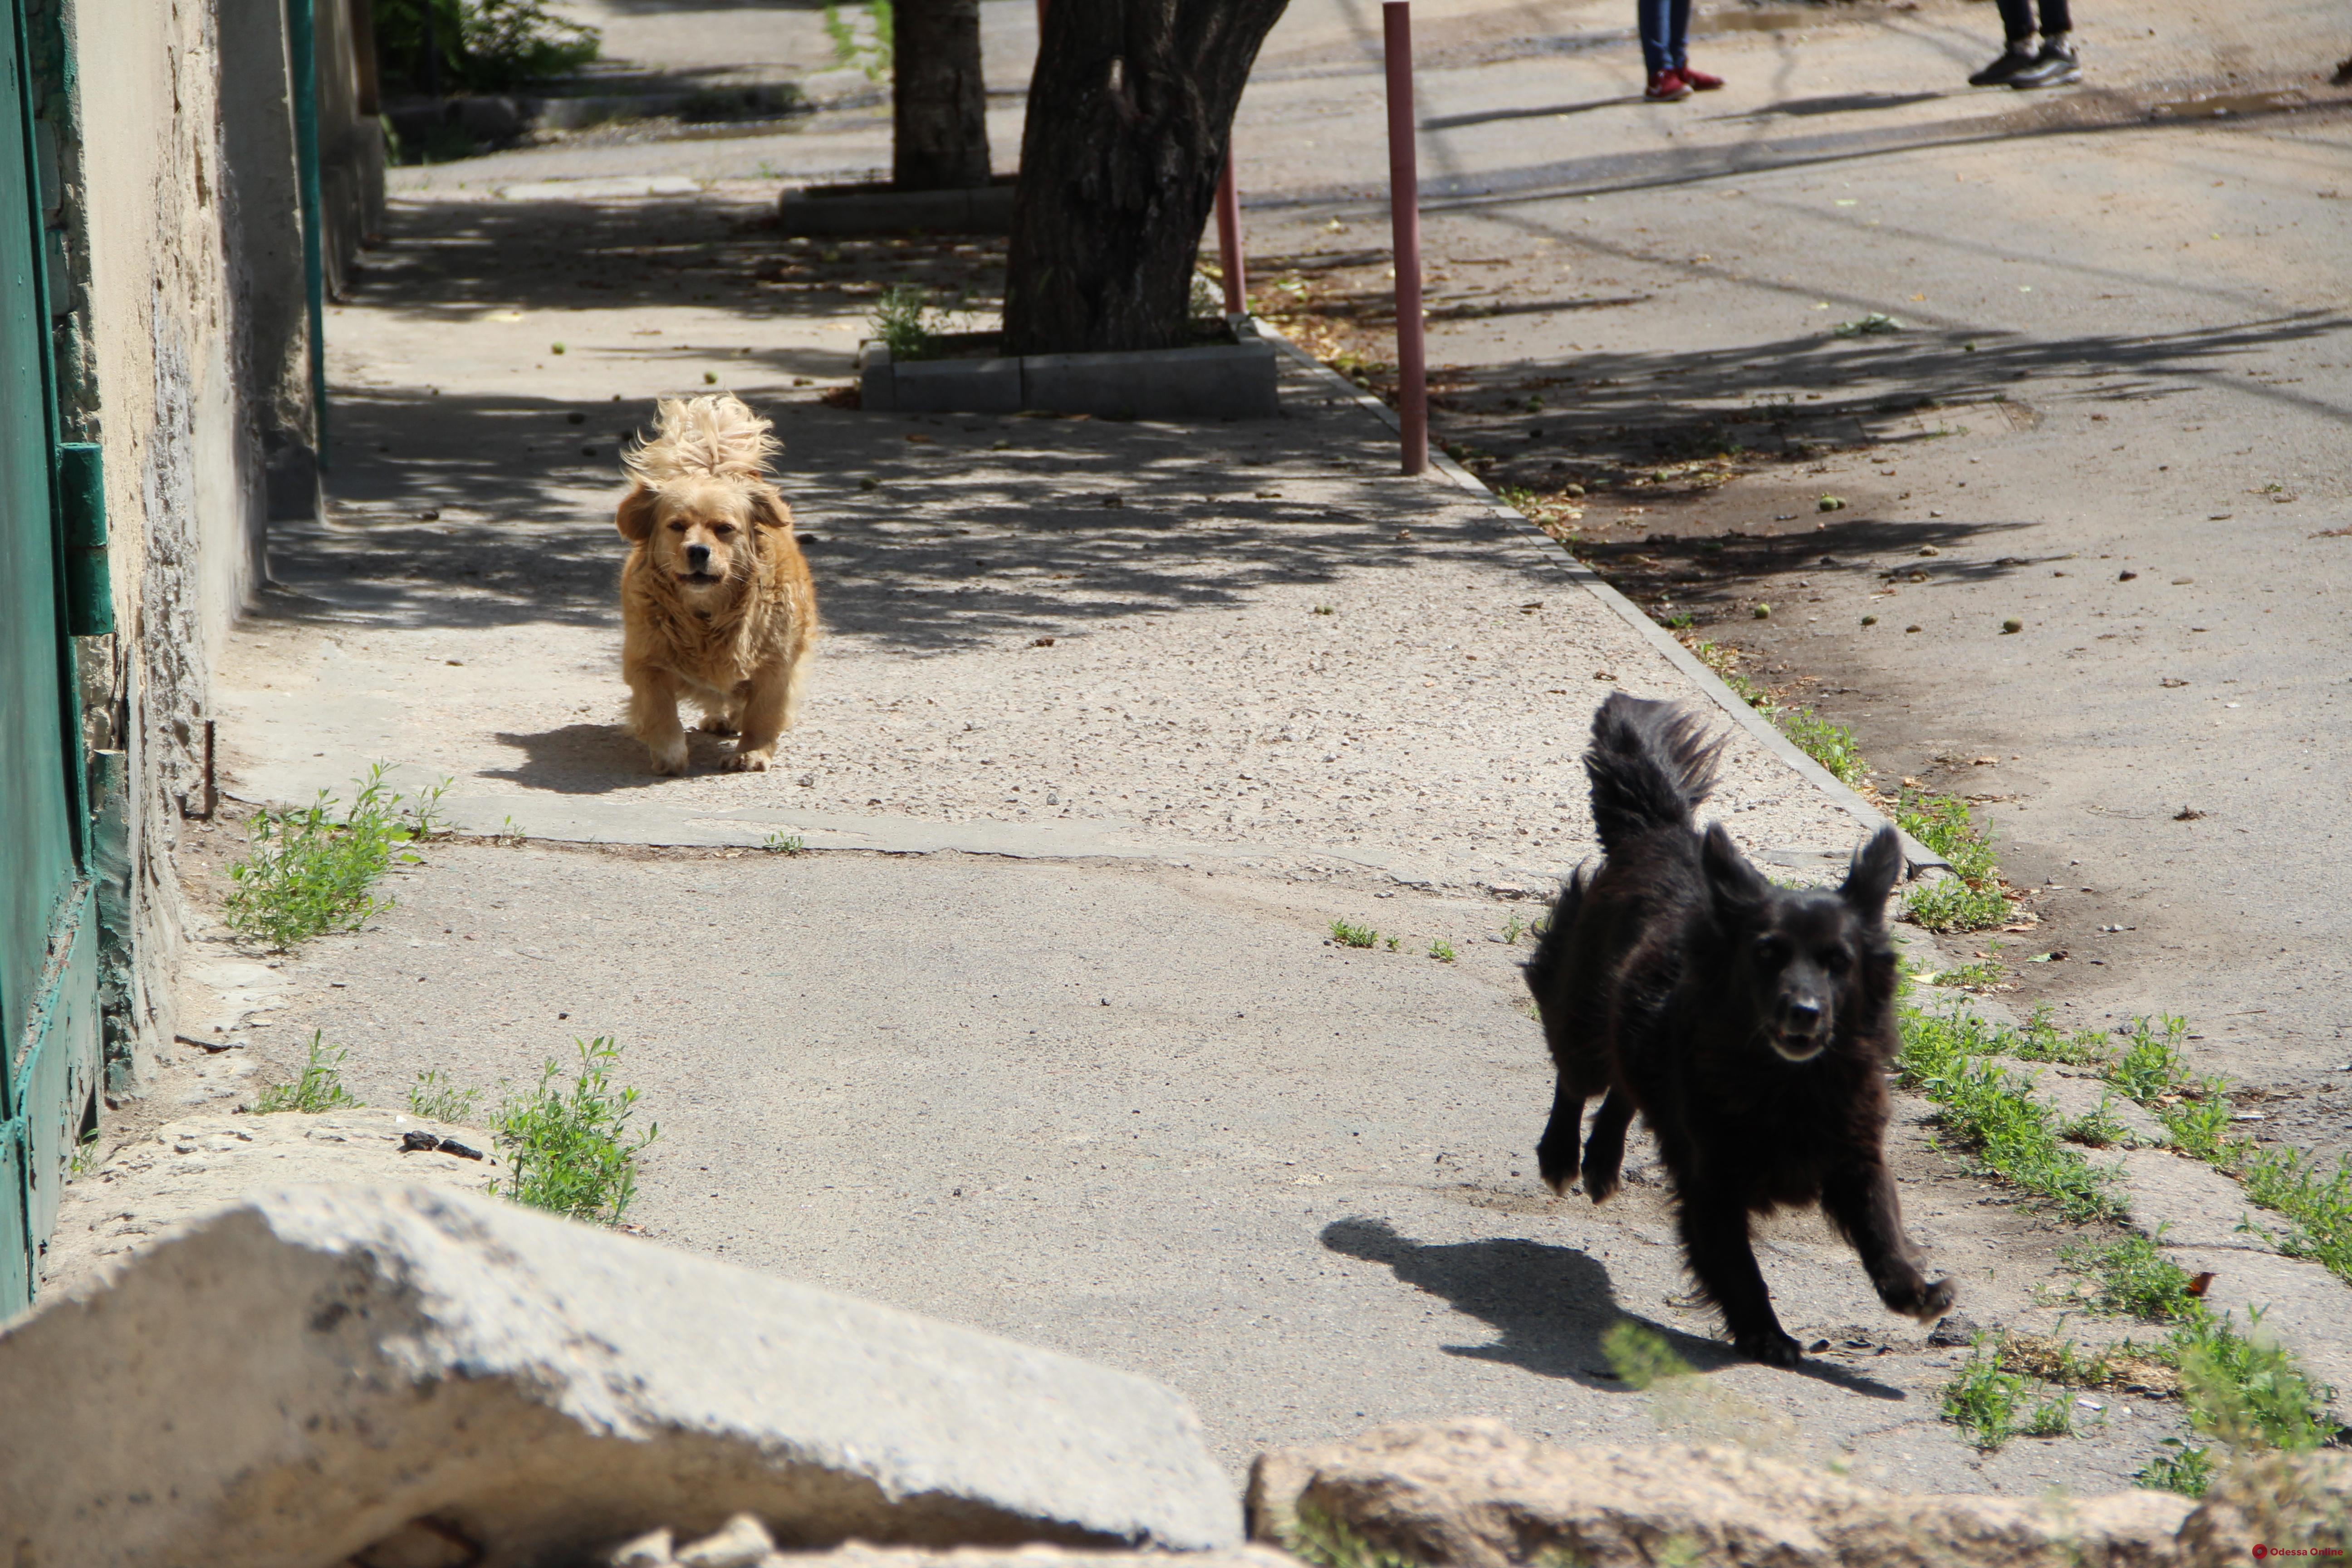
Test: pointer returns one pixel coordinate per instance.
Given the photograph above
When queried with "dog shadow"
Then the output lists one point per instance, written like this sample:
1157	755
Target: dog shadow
596	759
1549	1306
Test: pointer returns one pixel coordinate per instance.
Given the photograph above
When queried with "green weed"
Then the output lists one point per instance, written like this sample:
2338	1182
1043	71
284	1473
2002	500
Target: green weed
2186	1470
1442	951
313	870
320	1086
900	320
2132	1275
1313	1536
435	1098
1515	926
1393	942
1639	1356
2097	1128
1994	1112
1972	900
485	46
1350	935
572	1151
837	28
2318	1208
2246	1390
84	1159
1831	744
1982	1400
782	843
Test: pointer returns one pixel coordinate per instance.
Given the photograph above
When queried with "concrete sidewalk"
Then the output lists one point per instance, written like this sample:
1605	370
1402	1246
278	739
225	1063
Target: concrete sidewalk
1246	645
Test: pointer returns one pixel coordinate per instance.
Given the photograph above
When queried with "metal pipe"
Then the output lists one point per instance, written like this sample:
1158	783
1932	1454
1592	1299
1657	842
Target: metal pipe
1228	238
302	57
1404	220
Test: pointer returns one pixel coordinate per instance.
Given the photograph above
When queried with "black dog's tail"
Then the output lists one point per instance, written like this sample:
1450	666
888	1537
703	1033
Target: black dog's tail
1651	765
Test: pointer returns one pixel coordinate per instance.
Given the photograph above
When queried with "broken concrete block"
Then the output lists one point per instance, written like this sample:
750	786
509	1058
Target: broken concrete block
295	1379
197	1163
1473	1494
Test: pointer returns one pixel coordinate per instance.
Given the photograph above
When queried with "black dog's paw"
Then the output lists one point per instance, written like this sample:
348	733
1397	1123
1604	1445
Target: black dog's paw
1772	1346
1924	1301
1557	1165
1600	1184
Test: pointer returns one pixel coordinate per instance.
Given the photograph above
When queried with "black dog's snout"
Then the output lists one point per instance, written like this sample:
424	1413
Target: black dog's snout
1804	1015
697	556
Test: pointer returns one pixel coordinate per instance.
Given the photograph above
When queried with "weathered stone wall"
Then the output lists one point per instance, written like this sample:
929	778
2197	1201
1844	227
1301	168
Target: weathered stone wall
181	347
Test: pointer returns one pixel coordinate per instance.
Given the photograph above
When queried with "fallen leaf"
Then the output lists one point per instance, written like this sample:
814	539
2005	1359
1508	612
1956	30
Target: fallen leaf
2199	1285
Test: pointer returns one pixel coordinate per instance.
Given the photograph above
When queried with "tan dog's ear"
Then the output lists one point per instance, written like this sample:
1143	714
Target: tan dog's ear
635	518
769	510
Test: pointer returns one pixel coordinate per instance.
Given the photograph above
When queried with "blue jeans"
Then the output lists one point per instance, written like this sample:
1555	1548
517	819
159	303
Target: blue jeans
1665	34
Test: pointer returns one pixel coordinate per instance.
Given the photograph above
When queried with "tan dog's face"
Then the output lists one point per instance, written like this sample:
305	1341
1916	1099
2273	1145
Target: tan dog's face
698	533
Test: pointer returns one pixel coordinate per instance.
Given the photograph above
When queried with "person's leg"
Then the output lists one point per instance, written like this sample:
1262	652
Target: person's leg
1678	34
1697	79
1656	49
2017	23
2056	65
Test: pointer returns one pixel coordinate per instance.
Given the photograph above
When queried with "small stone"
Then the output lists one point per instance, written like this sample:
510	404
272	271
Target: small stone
1869	620
650	1549
1762	612
740	1544
2011	625
1953	1332
1914	629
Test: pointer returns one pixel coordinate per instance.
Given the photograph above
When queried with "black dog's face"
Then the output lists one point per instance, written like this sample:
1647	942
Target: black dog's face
1796	954
1796	968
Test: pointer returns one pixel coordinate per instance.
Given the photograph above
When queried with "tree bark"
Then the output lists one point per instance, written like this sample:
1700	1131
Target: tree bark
1129	115
938	105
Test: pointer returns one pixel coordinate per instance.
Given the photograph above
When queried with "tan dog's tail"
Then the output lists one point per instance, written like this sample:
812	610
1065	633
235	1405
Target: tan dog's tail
716	436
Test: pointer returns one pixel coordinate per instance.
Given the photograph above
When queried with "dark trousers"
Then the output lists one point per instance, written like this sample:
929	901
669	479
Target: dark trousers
1665	31
2017	18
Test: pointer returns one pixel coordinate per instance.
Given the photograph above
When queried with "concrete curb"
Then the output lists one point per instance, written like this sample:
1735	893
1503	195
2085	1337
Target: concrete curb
986	210
1916	855
1211	381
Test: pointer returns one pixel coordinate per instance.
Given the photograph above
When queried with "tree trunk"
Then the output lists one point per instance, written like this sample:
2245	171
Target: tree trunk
938	108
1129	113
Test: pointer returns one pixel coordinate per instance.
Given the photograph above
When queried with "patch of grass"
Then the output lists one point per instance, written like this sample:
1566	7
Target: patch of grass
2097	1128
2318	1208
1639	1356
313	870
435	1098
570	1150
2132	1275
1992	1405
782	843
1515	926
1313	1536
837	28
900	320
1829	743
1994	1112
1348	934
1442	951
2187	1471
320	1086
1972	900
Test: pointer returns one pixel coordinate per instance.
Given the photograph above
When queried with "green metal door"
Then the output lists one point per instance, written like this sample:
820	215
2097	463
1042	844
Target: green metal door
48	1009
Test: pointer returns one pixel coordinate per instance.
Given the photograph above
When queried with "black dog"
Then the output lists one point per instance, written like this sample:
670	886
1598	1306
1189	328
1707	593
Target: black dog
1750	1026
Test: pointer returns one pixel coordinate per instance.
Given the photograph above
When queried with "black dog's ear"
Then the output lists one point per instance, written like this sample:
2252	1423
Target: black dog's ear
635	518
1876	867
1732	882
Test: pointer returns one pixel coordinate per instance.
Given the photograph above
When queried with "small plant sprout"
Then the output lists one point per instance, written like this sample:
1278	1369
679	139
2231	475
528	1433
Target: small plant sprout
1392	942
900	320
571	1151
311	871
320	1086
435	1098
1515	926
782	843
1348	934
1442	951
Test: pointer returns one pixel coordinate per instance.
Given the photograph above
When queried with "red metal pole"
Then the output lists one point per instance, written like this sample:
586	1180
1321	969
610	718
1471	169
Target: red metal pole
1229	239
1404	217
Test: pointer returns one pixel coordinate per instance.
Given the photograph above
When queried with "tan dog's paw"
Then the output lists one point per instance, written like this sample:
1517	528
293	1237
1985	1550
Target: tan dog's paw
752	762
672	762
715	724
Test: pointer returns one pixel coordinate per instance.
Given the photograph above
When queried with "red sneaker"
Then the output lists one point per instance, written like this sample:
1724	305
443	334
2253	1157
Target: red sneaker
1668	87
1699	79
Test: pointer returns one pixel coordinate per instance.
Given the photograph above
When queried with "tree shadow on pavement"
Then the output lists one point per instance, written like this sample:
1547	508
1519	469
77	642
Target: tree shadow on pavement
1550	1305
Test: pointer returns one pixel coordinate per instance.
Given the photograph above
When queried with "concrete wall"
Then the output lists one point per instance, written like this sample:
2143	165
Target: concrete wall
182	345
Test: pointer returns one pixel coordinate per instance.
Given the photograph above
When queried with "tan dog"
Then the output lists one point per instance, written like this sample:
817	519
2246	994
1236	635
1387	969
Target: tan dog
716	601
